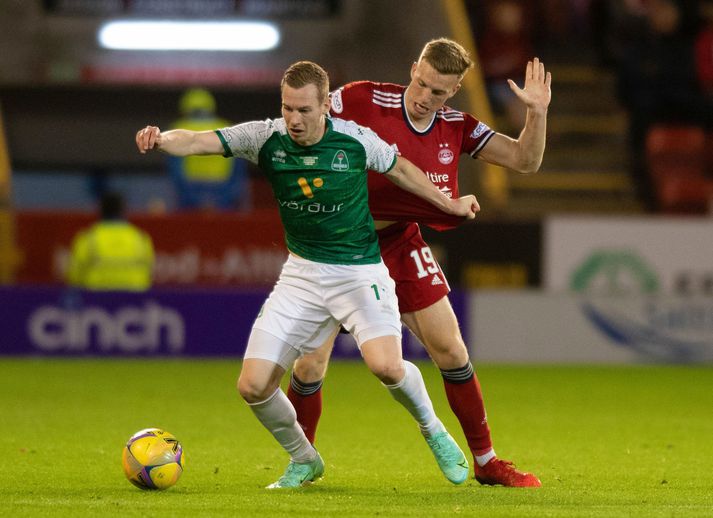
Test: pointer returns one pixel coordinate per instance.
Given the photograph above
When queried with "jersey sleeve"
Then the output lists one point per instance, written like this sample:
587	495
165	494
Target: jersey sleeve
476	135
245	140
380	157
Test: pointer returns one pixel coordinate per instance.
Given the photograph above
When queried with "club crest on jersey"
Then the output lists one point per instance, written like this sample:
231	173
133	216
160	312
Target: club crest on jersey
340	161
445	155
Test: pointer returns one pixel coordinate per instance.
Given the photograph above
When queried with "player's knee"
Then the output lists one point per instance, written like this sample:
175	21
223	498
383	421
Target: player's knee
449	354
388	372
251	390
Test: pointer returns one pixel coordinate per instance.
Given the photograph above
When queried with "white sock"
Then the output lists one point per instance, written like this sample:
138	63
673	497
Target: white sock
483	459
411	393
278	415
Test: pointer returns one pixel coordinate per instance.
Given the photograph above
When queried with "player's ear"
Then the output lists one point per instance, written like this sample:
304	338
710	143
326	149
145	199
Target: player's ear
455	90
413	69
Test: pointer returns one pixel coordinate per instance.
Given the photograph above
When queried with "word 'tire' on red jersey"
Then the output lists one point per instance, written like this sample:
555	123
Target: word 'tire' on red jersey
435	150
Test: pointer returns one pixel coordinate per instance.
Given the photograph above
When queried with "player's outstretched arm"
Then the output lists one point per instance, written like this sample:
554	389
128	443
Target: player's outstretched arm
410	178
525	154
178	142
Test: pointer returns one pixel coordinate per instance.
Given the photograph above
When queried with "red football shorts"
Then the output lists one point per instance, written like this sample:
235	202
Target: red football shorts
419	279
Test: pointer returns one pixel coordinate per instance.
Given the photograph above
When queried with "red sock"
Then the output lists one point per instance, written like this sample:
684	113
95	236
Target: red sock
466	400
307	400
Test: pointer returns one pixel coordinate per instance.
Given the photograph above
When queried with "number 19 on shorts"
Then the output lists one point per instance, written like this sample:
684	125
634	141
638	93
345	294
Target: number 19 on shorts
425	263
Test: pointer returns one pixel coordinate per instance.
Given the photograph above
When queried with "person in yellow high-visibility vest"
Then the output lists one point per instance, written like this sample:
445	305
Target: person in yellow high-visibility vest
112	254
207	182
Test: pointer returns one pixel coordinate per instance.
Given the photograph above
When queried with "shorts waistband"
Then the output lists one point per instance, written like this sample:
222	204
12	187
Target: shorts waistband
301	261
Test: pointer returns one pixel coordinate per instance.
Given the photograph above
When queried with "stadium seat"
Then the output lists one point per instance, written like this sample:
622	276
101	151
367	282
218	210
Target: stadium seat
677	159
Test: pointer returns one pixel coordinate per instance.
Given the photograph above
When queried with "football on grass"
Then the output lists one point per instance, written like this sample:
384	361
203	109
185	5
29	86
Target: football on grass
153	459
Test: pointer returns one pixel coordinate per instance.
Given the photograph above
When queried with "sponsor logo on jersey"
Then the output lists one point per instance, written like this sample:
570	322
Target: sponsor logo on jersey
446	190
309	160
279	156
304	185
340	161
436	280
437	177
311	207
445	155
337	106
479	130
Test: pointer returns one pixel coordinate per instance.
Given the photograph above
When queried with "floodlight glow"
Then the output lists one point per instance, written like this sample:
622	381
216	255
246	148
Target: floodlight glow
175	35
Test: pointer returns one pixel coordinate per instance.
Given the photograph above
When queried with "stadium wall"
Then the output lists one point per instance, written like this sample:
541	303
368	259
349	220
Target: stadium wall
192	248
520	326
613	290
247	249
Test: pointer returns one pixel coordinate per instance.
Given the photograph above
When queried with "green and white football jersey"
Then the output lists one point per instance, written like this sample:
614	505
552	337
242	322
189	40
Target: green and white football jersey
321	190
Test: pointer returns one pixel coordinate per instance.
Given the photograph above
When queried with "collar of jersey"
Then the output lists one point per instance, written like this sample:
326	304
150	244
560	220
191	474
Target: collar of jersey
294	146
408	119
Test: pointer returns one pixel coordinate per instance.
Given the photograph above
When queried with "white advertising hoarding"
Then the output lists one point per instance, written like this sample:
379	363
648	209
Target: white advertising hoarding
537	327
628	255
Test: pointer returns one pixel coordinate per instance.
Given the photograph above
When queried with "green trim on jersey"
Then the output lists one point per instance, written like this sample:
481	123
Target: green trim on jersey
228	153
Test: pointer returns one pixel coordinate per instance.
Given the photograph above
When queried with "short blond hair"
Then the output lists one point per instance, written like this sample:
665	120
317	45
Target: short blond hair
305	73
446	56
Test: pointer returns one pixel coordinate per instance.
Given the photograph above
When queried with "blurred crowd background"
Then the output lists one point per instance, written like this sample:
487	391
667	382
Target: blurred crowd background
629	127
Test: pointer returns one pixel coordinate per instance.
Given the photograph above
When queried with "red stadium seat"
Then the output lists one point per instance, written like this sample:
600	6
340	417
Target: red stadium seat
677	158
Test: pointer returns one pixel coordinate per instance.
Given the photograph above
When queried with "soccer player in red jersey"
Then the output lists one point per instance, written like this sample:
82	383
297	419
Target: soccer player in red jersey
415	120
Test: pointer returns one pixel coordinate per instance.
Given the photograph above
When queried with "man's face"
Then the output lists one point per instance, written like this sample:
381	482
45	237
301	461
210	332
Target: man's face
304	113
428	90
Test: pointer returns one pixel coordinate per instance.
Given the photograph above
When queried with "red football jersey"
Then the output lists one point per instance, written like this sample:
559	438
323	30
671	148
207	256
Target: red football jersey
380	106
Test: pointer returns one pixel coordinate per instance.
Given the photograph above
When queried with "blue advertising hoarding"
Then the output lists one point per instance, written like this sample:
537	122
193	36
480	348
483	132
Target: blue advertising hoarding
56	321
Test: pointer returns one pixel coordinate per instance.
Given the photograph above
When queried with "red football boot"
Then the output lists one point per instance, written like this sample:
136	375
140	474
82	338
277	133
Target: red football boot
503	472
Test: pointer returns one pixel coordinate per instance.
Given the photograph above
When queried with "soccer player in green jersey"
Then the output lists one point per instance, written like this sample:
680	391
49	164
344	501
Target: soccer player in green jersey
334	273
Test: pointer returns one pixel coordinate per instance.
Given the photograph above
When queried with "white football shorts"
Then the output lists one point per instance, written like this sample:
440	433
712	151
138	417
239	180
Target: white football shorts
311	299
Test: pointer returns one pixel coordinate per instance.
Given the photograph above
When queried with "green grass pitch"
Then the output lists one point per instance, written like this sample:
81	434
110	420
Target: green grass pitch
606	441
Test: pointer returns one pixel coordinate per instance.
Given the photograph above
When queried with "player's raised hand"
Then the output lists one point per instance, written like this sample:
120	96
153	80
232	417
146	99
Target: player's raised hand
148	138
536	94
466	206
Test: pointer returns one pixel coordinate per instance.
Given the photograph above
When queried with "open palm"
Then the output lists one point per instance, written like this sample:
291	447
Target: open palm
536	94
